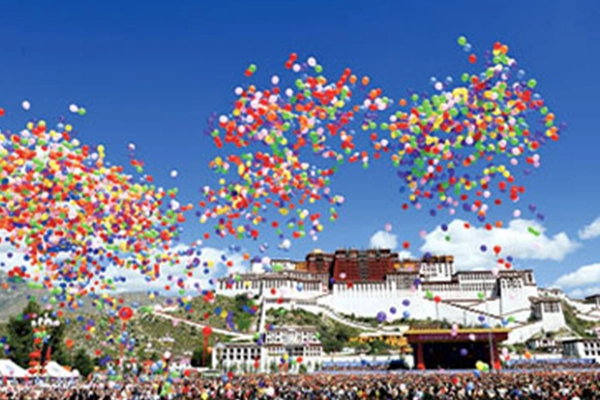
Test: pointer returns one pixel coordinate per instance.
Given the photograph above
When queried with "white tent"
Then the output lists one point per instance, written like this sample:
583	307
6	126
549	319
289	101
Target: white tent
11	370
55	370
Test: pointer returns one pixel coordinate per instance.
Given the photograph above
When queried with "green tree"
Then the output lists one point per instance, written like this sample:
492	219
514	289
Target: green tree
21	337
58	352
378	347
20	334
83	363
199	359
273	367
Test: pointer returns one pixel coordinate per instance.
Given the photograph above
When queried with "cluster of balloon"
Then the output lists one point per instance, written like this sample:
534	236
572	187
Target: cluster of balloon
482	366
505	354
74	218
42	333
434	142
71	219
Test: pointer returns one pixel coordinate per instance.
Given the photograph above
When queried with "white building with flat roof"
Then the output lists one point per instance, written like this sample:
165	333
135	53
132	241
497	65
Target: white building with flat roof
284	347
582	348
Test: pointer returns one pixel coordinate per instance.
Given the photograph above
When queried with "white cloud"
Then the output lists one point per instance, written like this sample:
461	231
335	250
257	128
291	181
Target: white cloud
384	240
516	240
590	231
10	256
584	292
586	275
405	255
135	281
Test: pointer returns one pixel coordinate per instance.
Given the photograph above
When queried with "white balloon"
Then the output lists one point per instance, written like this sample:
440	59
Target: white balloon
26	105
73	108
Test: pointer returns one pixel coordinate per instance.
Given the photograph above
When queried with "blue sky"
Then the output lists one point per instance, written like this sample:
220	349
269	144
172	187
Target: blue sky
151	73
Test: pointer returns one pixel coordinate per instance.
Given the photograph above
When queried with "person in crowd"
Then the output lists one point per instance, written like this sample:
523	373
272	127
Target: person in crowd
508	384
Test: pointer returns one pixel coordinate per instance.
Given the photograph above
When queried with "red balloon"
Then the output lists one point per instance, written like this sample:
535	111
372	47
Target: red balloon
207	331
125	313
497	249
437	299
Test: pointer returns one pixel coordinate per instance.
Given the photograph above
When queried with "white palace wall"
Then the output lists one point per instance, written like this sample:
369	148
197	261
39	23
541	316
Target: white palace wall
467	298
369	299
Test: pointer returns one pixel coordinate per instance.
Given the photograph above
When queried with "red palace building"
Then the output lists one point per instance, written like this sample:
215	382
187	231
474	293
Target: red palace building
353	265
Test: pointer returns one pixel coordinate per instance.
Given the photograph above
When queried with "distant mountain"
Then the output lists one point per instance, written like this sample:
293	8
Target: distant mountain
15	295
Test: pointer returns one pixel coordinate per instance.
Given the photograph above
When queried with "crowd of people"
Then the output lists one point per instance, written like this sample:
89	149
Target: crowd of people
356	367
561	385
551	365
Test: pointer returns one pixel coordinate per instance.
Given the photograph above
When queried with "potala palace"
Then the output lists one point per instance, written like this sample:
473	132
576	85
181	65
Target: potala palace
373	283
